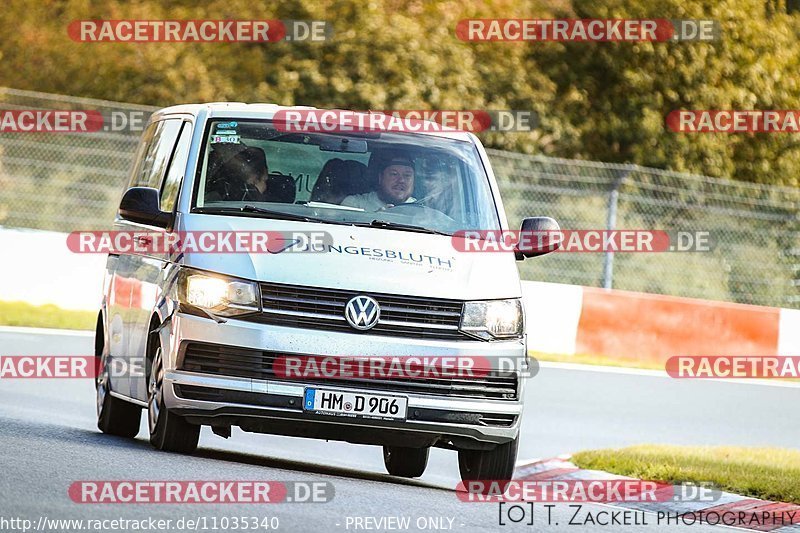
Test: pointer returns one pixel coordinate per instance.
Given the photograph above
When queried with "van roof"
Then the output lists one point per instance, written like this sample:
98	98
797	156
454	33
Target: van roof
241	110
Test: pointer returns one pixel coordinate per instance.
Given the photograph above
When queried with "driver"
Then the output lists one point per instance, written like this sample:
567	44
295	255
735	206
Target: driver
395	185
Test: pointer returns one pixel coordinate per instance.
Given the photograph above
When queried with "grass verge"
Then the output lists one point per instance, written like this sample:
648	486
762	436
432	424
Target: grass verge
765	473
45	316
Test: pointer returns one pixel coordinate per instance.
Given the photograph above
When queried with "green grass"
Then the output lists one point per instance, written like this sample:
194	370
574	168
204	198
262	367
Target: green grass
45	316
765	473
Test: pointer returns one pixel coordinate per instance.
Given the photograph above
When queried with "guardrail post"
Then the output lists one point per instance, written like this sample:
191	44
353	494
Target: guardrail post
611	223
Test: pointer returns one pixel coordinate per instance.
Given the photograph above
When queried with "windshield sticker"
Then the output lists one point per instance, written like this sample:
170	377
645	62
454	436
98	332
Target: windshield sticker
226	132
223	139
226	126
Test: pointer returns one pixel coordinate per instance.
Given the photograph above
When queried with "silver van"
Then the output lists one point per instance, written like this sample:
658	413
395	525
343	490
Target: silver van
202	332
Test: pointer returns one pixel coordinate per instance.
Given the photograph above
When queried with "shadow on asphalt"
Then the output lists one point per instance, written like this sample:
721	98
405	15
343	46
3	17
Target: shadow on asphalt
26	430
21	429
308	468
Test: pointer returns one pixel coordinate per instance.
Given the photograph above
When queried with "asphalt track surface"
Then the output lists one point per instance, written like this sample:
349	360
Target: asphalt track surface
49	439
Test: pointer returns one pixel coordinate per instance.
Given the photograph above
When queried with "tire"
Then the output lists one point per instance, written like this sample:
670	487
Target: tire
405	462
168	431
496	464
114	416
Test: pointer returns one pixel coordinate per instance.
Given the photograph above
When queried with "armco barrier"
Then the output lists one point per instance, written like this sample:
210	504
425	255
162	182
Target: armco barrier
654	327
650	328
560	319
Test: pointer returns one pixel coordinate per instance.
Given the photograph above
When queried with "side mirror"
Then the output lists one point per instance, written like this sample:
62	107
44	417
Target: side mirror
142	205
539	236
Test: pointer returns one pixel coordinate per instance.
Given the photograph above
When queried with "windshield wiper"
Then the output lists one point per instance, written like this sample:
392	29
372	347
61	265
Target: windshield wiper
281	215
402	227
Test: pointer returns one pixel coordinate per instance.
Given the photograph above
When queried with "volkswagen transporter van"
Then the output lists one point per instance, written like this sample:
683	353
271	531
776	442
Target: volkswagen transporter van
207	334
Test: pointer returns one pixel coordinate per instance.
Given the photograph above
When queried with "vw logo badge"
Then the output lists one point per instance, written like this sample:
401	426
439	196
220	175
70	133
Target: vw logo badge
362	312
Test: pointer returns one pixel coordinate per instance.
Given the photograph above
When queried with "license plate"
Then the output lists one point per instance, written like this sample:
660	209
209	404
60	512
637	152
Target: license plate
355	404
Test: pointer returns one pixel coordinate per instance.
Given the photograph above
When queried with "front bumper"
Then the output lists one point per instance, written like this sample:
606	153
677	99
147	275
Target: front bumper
275	406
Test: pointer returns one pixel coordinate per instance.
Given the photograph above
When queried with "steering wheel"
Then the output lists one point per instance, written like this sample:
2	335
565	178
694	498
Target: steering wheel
408	204
434	213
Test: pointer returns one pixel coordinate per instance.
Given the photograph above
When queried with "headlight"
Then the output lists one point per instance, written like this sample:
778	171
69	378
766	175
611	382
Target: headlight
221	295
493	319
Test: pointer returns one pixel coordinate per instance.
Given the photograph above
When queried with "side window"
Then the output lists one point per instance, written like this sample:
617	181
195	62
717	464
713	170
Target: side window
172	181
155	161
151	168
144	147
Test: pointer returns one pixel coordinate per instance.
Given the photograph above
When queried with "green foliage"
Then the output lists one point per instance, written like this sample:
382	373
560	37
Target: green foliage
625	90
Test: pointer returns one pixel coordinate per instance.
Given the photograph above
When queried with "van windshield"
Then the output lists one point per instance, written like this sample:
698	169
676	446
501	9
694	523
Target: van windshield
384	179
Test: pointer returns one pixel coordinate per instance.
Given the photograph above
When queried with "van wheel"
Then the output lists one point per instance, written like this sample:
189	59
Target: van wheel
168	431
496	464
405	462
115	416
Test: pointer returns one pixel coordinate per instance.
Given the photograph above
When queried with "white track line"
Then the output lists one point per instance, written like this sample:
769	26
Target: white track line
605	369
46	331
663	374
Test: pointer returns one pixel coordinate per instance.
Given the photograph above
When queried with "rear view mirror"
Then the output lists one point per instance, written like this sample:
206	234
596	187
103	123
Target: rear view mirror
142	205
343	144
538	236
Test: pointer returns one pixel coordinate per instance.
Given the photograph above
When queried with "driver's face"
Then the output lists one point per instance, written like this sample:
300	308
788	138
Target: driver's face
396	183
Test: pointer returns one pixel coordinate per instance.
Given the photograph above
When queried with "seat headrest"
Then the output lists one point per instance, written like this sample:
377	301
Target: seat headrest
281	189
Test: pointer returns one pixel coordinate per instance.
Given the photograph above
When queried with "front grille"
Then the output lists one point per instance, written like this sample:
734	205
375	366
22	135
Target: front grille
257	364
499	420
453	417
401	316
208	394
